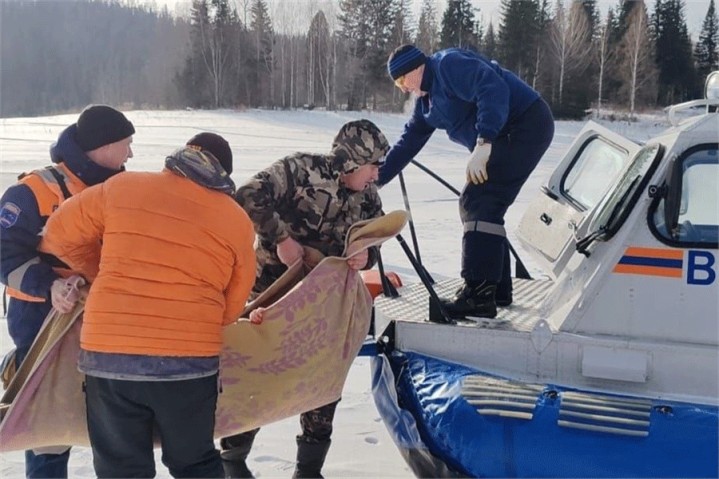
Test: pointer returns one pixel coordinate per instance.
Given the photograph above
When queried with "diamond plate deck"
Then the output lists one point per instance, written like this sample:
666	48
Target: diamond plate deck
413	304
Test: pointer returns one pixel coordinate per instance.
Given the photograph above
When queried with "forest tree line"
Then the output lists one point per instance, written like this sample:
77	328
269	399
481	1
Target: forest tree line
60	56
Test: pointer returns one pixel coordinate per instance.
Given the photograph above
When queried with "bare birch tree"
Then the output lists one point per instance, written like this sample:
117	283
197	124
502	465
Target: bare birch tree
543	23
264	36
213	27
242	7
280	16
570	41
296	26
427	38
330	9
604	55
638	68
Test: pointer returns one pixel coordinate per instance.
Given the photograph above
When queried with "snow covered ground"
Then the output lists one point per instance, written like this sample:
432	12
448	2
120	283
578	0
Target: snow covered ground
361	445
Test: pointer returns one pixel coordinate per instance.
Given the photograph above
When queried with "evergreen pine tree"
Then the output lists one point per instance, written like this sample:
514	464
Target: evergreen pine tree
402	33
612	24
519	36
355	30
620	19
673	53
368	27
194	71
427	38
540	79
209	62
489	45
706	52
391	27
590	7
458	26
403	27
262	62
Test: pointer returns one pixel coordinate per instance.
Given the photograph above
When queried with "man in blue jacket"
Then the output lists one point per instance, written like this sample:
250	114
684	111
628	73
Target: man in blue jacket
505	125
86	153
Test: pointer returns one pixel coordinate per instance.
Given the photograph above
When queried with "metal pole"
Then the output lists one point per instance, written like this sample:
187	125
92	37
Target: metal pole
435	176
387	287
520	270
424	277
411	226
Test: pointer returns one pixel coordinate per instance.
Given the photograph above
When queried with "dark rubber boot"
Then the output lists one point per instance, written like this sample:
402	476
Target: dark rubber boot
477	301
234	453
310	458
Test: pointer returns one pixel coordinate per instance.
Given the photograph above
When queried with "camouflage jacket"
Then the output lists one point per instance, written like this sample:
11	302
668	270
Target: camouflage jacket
302	196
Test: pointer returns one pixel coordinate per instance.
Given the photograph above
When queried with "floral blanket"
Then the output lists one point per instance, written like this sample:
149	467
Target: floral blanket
316	320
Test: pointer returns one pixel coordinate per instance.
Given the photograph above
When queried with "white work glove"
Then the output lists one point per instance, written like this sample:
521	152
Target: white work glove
477	165
289	251
65	292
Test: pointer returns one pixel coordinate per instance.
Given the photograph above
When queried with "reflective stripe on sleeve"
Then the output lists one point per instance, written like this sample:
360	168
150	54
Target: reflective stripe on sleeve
14	279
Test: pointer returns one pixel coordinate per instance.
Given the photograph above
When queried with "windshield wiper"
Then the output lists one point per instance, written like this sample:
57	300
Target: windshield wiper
584	243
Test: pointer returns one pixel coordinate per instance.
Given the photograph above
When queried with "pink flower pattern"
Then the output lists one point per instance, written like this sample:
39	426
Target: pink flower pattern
298	361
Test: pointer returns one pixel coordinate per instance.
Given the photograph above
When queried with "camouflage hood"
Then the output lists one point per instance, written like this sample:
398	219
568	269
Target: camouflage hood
358	143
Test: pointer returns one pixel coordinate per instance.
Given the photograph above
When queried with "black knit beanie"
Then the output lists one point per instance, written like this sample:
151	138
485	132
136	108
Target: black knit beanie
100	125
216	145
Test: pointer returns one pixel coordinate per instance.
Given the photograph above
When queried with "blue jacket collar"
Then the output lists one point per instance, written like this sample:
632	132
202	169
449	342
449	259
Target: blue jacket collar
427	77
66	150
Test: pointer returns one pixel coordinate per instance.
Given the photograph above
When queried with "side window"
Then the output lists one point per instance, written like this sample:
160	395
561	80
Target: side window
698	215
596	167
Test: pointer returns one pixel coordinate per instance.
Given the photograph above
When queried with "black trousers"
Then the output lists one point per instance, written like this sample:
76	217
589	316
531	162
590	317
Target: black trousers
515	154
124	416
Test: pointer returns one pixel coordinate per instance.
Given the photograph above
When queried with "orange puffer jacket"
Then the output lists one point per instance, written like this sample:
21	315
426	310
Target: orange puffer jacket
177	263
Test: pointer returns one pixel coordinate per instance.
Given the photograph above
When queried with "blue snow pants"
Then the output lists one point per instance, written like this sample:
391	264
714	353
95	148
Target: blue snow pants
515	154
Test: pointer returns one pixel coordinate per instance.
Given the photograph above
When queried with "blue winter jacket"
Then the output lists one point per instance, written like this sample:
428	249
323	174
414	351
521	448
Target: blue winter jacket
468	96
20	225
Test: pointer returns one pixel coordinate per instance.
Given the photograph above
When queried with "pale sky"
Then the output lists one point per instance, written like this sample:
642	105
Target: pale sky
694	10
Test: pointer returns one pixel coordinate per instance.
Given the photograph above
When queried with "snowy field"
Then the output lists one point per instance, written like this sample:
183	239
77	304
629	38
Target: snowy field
361	446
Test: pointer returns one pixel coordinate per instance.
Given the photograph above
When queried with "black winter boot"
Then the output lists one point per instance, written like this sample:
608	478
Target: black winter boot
503	295
310	458
476	300
234	453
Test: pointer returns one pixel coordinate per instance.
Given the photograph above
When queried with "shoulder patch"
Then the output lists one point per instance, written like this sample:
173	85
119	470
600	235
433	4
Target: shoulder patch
9	214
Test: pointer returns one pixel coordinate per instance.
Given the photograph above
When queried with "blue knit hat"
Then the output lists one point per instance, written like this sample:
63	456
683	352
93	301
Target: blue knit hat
403	60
